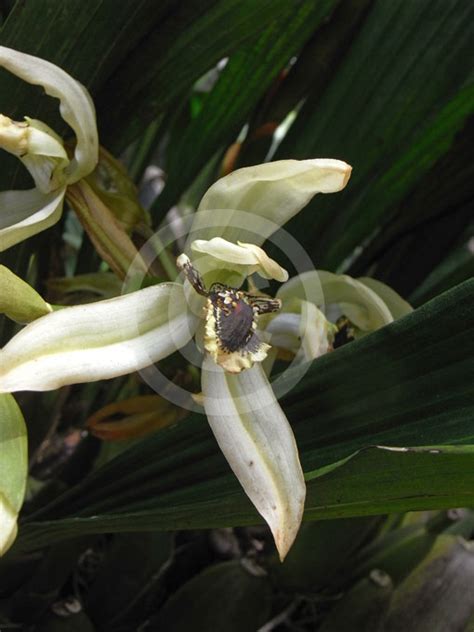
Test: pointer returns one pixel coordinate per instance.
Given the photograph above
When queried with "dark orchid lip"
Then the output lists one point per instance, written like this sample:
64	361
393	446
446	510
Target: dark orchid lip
235	320
231	320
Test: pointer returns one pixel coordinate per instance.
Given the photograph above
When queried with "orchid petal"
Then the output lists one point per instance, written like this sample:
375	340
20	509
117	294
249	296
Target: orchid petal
245	258
285	331
45	157
316	332
359	303
97	341
269	195
76	105
258	443
396	304
26	213
38	148
306	286
307	334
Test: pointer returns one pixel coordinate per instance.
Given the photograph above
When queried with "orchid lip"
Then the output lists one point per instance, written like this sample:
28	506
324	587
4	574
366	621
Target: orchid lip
231	321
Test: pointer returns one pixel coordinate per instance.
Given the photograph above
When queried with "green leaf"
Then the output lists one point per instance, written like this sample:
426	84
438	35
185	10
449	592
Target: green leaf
374	115
413	479
455	268
315	65
323	552
407	384
130	572
424	603
364	605
244	80
13	468
55	31
192	38
139	58
400	479
390	188
230	596
439	204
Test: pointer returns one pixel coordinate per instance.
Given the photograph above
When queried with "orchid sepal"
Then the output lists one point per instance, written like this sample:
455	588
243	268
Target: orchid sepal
101	340
251	203
258	443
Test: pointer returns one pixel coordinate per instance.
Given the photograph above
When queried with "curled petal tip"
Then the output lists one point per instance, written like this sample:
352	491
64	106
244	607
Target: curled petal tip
251	203
76	105
347	175
242	257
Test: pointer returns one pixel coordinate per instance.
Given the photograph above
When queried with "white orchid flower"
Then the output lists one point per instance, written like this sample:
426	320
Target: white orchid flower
41	150
117	336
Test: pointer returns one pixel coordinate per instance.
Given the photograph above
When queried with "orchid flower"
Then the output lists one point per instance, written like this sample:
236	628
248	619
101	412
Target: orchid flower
117	336
27	212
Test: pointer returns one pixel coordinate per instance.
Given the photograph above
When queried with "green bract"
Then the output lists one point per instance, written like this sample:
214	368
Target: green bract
18	300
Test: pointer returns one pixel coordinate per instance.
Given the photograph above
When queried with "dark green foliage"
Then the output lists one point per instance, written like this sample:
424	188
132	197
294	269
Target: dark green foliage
384	424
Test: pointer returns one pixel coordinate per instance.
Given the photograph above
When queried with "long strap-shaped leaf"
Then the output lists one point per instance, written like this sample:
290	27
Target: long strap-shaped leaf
408	384
243	82
374	113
